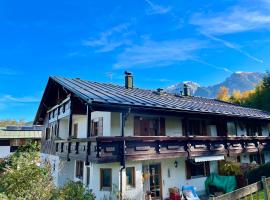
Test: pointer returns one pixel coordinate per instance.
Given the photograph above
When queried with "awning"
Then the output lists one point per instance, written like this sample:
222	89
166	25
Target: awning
208	158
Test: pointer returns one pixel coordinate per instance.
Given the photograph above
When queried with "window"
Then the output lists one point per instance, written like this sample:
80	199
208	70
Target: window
196	170
146	126
231	128
253	129
79	170
130	176
75	130
47	133
87	176
94	126
195	127
52	132
97	127
64	108
16	142
258	158
105	179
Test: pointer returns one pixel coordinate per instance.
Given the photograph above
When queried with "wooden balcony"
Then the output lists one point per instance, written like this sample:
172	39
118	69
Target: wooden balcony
112	149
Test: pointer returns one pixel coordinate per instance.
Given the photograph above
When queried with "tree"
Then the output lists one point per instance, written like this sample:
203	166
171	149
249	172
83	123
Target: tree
21	176
223	94
24	176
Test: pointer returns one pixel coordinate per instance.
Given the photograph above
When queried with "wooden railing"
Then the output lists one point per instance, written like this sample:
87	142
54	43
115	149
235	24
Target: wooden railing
258	191
109	149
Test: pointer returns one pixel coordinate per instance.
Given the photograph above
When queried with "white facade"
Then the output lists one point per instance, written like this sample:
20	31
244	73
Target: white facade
171	176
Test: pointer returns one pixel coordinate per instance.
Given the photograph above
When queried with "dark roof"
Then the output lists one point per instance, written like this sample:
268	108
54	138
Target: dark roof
105	93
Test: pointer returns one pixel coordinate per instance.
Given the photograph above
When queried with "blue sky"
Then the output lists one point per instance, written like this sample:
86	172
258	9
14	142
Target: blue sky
161	42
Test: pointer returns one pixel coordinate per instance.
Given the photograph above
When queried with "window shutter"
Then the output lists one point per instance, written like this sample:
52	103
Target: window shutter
137	126
207	168
100	126
162	126
184	127
262	158
75	130
47	133
203	127
92	128
188	172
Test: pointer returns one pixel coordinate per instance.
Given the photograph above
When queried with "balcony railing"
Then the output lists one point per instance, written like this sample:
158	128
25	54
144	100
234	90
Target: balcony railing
20	134
112	149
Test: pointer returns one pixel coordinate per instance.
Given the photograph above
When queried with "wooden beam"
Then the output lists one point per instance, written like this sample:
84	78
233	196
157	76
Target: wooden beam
88	130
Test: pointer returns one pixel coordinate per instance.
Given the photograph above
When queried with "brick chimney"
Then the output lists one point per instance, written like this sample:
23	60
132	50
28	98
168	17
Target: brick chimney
128	80
186	90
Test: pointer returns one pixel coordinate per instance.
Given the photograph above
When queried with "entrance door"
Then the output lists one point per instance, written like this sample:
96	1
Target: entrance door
155	181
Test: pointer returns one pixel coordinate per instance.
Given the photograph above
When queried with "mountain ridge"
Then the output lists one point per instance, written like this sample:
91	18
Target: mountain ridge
241	81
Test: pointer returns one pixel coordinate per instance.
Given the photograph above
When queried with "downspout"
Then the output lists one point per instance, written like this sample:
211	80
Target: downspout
123	162
123	118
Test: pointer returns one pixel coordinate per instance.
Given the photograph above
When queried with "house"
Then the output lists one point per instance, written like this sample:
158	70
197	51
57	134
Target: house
135	141
11	137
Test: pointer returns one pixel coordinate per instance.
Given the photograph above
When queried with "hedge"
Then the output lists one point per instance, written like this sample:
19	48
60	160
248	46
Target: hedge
256	174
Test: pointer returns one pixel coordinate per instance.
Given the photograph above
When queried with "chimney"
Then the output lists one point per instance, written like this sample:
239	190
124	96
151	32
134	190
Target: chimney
186	90
128	80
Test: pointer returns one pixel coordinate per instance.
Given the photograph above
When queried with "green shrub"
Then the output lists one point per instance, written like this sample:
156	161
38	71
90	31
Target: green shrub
256	174
230	168
73	190
21	177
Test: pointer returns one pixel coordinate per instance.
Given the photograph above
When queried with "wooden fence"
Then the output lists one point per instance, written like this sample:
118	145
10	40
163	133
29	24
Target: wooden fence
256	191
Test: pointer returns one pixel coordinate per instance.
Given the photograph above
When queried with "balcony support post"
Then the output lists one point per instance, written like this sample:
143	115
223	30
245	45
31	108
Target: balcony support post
70	128
88	129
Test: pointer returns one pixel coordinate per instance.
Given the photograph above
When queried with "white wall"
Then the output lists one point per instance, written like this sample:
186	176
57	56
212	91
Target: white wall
137	192
244	158
4	151
54	163
65	171
240	131
63	128
106	121
265	131
212	130
267	156
178	176
173	125
95	179
81	120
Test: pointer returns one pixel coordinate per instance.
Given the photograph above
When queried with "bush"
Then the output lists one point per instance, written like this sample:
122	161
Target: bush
73	190
230	168
256	174
21	177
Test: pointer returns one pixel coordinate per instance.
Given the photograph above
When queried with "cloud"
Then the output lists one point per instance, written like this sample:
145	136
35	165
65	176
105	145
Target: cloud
8	72
225	69
156	9
233	20
234	47
162	53
162	80
110	39
11	99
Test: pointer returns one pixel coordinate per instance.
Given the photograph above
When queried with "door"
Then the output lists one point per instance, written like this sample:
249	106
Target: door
155	181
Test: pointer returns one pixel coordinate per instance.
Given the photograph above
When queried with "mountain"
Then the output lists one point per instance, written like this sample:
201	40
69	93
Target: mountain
237	81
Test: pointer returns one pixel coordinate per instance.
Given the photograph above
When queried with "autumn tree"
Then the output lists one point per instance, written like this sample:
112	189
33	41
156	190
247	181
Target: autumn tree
223	94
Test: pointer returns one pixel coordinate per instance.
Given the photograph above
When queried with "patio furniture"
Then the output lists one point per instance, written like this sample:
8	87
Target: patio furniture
189	192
